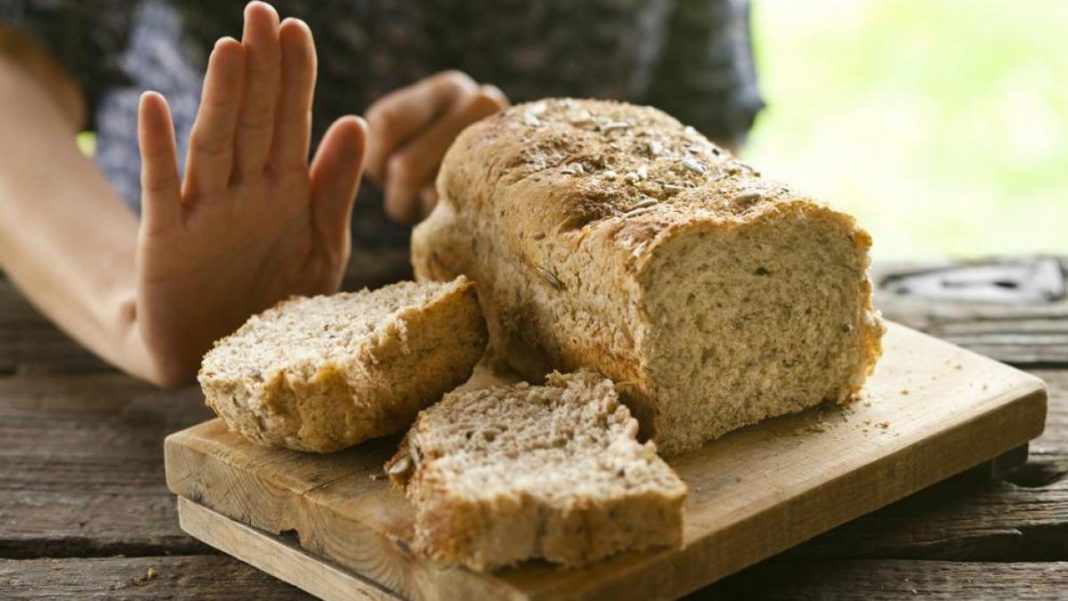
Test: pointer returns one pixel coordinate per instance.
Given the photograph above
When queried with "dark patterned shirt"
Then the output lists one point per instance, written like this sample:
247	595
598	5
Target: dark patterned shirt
691	58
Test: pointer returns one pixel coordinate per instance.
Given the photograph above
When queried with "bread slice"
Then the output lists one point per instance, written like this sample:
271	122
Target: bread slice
515	472
608	235
324	373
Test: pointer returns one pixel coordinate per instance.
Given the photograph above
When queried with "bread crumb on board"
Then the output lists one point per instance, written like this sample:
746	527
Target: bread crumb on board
150	574
817	426
882	426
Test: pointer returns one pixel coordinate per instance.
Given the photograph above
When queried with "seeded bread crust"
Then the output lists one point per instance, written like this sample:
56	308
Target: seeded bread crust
610	236
515	472
346	381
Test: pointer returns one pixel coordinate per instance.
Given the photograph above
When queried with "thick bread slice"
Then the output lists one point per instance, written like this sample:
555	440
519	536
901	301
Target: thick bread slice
610	236
324	373
555	472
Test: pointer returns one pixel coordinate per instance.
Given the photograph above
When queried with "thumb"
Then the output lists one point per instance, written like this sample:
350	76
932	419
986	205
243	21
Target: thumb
335	176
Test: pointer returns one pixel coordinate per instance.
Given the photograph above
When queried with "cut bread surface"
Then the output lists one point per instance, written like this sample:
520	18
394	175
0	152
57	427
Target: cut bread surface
515	472
326	372
755	322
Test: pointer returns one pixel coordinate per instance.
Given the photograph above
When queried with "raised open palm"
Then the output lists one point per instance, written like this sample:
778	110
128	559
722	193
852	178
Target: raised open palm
251	222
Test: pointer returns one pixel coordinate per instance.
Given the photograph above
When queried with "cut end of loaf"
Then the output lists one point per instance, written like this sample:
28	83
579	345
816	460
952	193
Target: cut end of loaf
326	372
509	473
758	320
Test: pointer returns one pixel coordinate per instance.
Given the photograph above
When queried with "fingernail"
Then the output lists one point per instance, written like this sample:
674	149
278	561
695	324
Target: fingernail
360	122
263	4
495	93
270	8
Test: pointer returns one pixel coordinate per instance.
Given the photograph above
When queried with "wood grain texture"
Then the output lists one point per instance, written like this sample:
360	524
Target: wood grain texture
877	580
1055	439
59	405
1033	333
1022	516
276	555
192	578
805	579
962	520
221	578
81	468
932	410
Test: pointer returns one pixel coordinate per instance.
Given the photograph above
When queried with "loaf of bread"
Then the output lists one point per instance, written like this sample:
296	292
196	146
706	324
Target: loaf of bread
514	472
324	373
608	235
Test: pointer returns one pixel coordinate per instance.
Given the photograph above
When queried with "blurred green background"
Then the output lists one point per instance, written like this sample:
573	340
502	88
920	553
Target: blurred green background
941	124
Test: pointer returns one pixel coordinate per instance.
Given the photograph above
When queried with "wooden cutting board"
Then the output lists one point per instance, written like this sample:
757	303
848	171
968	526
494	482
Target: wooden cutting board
332	525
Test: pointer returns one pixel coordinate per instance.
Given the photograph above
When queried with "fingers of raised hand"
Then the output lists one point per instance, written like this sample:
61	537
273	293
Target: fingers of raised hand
292	134
412	167
335	175
256	116
160	189
256	103
211	142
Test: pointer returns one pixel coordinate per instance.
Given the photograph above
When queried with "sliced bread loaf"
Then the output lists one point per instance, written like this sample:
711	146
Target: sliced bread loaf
610	236
555	472
324	373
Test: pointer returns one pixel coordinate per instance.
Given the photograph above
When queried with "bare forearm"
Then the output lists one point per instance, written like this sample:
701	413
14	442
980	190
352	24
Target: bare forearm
65	238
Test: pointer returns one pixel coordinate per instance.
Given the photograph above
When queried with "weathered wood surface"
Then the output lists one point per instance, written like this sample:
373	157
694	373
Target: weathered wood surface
878	580
82	466
87	510
220	578
1021	517
280	555
813	579
1017	330
930	411
188	578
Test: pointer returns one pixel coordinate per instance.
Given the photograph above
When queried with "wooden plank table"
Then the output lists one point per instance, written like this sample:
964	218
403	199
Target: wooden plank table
85	513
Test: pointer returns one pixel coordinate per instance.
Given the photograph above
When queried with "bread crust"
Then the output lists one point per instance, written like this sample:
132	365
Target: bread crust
409	361
509	520
560	208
